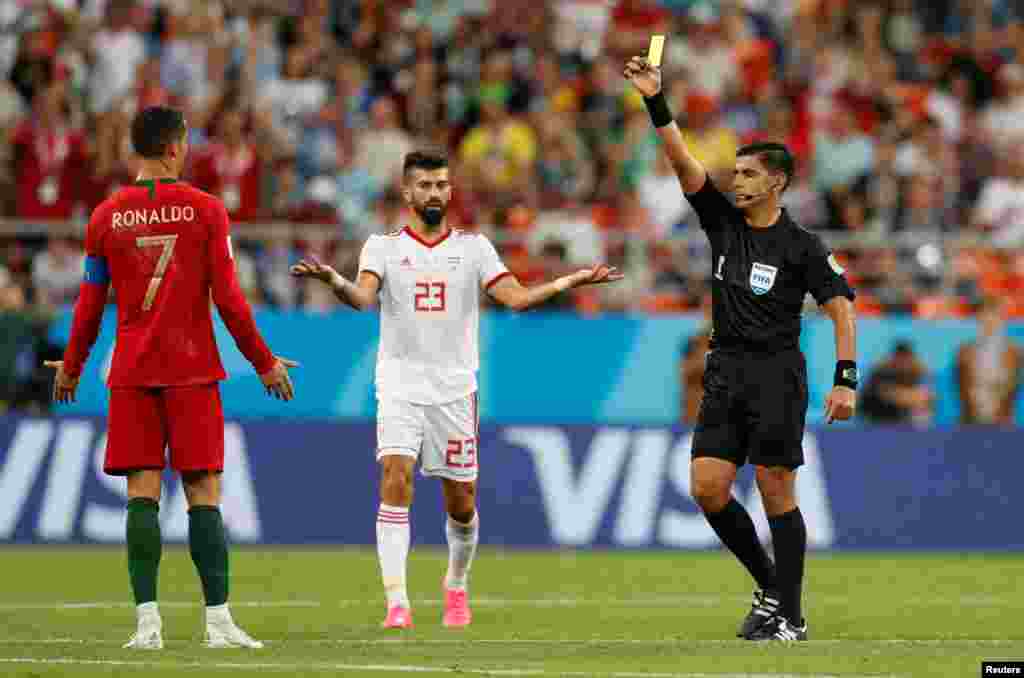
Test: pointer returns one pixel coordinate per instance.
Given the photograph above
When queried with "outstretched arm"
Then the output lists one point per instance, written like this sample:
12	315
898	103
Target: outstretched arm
510	293
92	298
236	313
230	300
842	400
647	80
360	295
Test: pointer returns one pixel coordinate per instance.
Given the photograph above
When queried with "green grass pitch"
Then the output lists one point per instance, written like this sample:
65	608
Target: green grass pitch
65	612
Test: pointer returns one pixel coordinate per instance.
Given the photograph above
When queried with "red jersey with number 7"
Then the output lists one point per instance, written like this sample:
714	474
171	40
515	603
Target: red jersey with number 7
165	246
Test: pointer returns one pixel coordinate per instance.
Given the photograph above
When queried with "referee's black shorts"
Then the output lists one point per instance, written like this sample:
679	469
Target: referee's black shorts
754	408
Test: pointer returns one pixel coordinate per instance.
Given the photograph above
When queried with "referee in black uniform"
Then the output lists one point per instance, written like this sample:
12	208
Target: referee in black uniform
755	381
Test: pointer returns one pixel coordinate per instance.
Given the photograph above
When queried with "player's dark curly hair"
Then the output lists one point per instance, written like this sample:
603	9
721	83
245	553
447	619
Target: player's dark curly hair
427	159
775	158
155	128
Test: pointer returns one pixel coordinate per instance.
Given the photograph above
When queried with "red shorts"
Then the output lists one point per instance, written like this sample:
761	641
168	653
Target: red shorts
144	422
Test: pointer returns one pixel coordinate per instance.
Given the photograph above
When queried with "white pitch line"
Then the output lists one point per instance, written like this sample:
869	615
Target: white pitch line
660	601
294	642
54	641
928	642
110	605
431	602
397	668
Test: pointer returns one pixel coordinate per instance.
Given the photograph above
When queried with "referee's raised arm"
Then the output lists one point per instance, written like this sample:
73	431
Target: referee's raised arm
647	80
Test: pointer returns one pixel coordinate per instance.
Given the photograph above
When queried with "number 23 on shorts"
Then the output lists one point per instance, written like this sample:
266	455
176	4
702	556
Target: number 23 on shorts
461	453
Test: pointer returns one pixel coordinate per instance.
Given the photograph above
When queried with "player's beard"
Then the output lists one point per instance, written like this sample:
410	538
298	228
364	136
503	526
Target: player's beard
432	215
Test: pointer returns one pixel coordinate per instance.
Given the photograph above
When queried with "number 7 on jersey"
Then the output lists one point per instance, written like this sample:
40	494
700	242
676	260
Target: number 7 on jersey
167	242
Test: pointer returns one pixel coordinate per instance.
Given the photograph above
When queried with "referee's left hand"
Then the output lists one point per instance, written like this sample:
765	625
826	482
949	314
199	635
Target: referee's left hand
840	404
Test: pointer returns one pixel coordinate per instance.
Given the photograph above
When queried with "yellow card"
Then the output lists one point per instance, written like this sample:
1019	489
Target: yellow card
655	49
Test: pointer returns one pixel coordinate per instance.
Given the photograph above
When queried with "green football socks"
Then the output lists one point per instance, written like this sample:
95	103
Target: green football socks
144	547
209	548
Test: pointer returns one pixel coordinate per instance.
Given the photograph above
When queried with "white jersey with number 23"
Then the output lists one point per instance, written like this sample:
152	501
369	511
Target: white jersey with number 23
430	312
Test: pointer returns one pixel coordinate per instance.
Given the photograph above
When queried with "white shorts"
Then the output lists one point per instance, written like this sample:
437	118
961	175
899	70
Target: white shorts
443	437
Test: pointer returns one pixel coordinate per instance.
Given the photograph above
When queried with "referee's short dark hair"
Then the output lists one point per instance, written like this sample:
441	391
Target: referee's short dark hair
156	128
774	156
426	159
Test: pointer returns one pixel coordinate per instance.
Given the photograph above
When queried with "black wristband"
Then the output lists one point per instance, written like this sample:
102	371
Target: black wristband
658	108
846	374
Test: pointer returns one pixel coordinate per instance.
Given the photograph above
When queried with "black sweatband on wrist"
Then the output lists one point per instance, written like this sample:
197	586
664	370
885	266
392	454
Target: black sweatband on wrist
658	108
846	374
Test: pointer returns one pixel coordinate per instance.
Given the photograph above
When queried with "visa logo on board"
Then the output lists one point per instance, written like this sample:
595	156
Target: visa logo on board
80	502
578	501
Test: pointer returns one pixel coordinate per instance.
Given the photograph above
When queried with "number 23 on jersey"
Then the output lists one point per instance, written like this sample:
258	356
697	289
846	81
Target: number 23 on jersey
430	296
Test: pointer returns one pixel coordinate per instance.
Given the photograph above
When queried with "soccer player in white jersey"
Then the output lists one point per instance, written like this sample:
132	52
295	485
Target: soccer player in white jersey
427	278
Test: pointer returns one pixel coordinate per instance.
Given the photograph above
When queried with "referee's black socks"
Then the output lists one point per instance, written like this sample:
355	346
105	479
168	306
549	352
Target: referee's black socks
789	537
736	530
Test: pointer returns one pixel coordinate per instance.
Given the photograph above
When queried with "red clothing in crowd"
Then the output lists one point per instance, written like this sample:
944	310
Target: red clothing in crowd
641	17
48	166
233	176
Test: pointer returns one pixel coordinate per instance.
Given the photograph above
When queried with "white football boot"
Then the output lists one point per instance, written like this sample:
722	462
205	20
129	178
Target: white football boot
222	632
148	634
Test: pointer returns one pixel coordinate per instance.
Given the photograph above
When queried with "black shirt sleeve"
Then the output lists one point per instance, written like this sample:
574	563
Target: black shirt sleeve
825	277
712	207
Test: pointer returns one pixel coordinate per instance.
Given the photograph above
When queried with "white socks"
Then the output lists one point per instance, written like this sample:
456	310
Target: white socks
148	612
462	541
218	613
392	550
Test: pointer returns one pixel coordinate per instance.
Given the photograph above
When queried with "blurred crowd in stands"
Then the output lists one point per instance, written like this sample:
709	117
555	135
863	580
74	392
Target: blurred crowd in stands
906	117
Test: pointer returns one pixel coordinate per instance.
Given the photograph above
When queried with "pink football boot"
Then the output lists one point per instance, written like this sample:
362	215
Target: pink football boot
398	618
456	608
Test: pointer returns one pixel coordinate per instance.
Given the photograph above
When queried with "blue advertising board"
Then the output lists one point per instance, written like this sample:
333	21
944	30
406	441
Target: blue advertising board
541	485
535	367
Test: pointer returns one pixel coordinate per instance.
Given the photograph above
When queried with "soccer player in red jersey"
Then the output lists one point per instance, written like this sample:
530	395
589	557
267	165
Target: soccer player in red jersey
166	249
